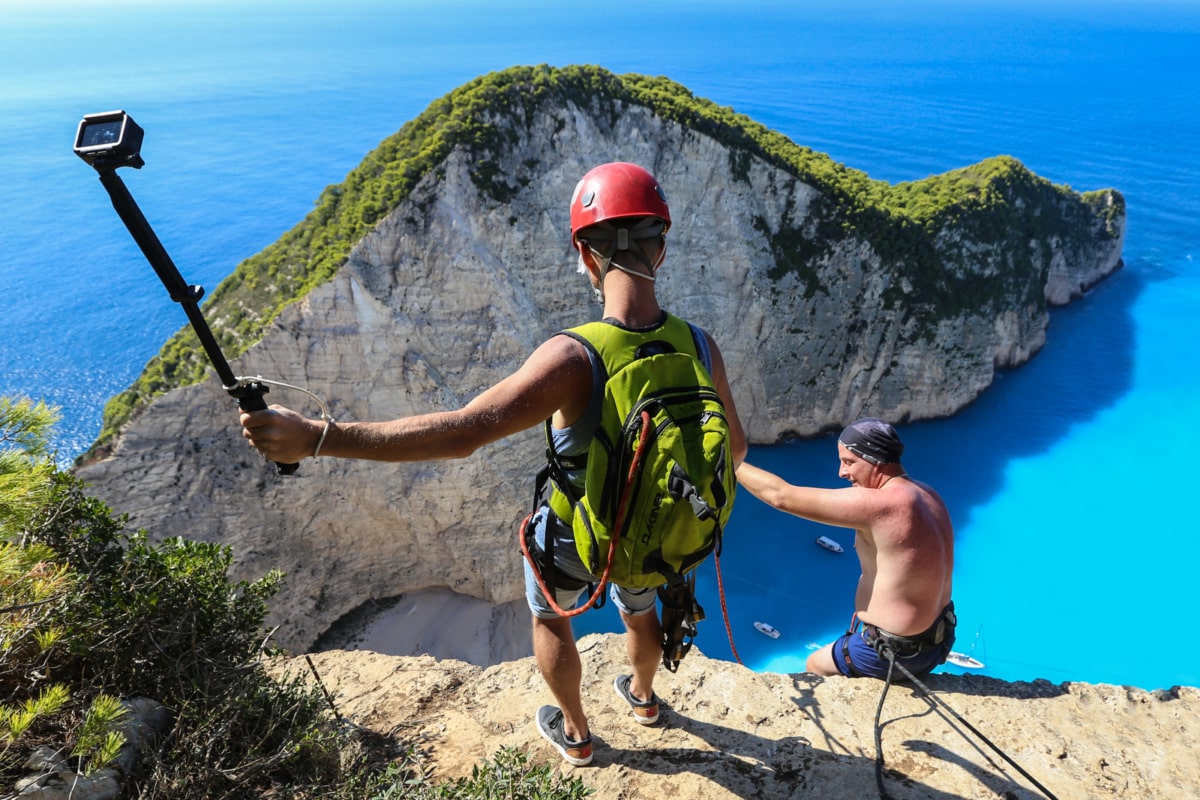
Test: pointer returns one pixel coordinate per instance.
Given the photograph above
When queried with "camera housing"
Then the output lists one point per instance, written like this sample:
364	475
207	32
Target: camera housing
109	139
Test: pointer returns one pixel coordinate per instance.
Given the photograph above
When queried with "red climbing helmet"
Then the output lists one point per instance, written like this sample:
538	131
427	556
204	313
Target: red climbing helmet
614	191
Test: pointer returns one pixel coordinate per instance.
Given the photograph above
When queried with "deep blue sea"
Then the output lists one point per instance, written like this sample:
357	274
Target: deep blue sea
1070	480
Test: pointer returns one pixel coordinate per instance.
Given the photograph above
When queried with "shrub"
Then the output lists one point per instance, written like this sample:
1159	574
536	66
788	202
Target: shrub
90	612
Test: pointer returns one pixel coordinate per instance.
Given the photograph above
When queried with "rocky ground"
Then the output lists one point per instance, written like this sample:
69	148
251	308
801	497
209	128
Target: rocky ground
727	732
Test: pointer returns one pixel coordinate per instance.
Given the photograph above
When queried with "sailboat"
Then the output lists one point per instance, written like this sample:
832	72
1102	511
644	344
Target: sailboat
967	660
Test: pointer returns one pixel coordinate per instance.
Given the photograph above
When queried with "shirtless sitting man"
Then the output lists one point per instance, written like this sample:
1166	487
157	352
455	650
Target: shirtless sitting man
905	544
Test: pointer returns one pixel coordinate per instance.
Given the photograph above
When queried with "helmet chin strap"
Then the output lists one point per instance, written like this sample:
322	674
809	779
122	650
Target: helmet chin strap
607	263
615	240
598	290
630	271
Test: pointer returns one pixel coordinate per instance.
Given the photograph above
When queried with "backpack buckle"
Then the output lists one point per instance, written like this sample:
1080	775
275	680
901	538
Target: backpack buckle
681	488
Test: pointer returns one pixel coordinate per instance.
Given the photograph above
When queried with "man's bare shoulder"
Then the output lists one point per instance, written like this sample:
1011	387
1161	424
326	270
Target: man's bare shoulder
559	352
919	492
560	371
917	511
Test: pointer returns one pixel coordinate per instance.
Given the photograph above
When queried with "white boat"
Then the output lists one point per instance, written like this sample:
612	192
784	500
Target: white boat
829	544
769	630
963	660
967	660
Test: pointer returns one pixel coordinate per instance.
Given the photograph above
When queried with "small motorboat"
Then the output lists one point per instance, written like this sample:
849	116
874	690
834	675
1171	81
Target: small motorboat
963	660
769	630
967	660
829	544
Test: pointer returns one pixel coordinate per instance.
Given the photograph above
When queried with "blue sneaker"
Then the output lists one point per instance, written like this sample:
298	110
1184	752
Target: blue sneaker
550	726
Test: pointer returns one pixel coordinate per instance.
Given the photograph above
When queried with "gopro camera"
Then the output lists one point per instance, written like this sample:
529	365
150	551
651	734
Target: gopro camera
110	139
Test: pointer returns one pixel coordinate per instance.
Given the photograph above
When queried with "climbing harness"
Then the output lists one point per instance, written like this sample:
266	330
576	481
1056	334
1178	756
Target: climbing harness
548	558
680	614
883	646
680	611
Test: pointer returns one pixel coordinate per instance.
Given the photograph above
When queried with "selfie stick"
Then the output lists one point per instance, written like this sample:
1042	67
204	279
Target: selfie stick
111	140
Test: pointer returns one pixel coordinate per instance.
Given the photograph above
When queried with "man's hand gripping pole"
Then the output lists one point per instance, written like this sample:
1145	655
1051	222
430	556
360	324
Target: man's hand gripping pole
111	140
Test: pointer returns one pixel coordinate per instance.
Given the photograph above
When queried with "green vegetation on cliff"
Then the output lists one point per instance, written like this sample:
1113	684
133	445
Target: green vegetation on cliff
994	202
91	613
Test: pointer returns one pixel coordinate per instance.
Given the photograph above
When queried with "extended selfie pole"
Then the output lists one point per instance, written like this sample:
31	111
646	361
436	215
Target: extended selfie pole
108	141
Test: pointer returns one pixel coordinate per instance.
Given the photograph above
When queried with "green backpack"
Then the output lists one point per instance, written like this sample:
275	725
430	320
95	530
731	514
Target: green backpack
659	481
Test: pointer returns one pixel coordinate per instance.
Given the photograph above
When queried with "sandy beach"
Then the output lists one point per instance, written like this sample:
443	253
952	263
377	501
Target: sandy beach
436	622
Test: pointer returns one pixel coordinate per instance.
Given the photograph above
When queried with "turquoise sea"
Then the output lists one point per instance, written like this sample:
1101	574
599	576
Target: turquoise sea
1070	480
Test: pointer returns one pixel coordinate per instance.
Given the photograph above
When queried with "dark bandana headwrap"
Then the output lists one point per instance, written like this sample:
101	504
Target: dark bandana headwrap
874	440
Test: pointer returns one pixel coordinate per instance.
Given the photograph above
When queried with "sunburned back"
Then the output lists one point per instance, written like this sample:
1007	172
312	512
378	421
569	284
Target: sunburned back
908	560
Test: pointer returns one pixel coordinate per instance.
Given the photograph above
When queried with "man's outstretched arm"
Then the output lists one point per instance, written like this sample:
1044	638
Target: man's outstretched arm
556	376
851	507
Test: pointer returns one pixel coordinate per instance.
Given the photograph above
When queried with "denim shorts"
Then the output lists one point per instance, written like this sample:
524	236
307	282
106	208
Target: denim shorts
631	602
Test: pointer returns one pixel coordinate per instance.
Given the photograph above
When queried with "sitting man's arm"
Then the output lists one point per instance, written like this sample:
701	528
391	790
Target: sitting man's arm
851	507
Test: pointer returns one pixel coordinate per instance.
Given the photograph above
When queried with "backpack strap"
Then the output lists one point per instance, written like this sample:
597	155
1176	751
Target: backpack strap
560	465
702	350
553	486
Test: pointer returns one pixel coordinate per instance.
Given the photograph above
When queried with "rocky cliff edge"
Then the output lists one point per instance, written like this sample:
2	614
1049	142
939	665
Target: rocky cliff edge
728	732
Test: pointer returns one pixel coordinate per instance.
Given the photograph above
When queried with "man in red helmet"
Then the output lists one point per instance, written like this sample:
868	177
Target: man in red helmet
619	221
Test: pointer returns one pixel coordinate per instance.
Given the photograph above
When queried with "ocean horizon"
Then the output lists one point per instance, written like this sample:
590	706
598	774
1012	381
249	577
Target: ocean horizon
1063	479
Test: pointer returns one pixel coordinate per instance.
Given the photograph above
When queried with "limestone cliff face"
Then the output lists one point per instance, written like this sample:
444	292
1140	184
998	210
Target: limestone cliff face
453	289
